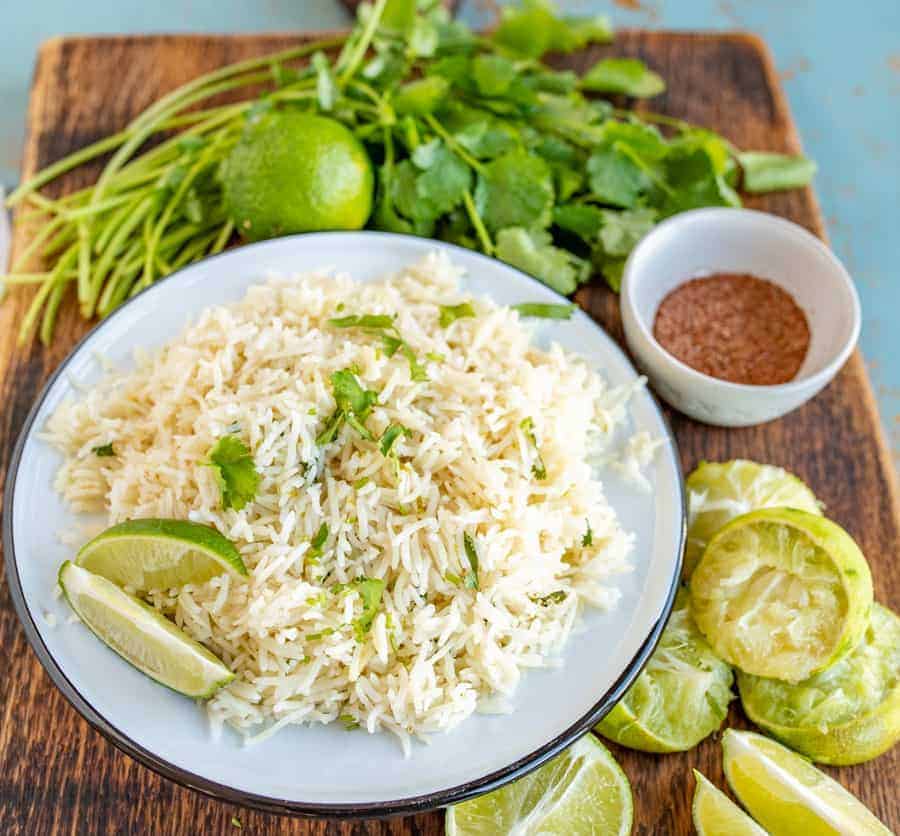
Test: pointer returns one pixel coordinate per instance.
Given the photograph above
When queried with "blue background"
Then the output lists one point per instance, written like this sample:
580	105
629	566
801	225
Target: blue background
840	64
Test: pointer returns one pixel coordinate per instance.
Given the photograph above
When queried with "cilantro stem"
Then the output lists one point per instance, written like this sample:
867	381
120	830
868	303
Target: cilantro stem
461	152
359	50
486	244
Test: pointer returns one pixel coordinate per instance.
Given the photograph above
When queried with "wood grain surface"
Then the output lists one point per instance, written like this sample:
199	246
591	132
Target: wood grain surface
57	775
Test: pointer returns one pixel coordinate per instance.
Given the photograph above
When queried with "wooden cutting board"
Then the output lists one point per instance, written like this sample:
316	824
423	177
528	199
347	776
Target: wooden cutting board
57	775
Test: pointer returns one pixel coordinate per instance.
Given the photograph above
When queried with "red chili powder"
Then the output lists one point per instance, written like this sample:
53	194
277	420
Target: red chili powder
735	327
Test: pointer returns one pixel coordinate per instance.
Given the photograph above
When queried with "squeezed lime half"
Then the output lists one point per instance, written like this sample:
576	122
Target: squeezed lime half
848	713
720	491
715	814
160	554
787	795
582	791
782	593
681	696
141	635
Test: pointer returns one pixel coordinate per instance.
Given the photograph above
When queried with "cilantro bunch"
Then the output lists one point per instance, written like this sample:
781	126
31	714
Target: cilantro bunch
474	139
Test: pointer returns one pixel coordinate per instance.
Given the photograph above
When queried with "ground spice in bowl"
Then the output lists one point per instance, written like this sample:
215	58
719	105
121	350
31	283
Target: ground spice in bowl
735	327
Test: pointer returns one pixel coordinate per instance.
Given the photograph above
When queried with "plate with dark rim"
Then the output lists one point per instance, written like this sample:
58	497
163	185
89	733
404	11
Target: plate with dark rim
326	770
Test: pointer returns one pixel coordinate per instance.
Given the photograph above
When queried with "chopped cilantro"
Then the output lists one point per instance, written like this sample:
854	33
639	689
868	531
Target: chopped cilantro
361	483
450	313
235	472
103	451
588	539
312	411
371	591
453	578
384	327
553	598
537	469
435	357
349	721
326	631
471	580
373	321
542	310
353	407
317	544
390	435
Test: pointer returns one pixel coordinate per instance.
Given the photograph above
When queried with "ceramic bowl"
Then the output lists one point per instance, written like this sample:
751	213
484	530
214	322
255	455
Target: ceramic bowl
706	241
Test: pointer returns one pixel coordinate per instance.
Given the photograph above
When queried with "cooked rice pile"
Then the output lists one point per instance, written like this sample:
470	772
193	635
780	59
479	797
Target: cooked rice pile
437	649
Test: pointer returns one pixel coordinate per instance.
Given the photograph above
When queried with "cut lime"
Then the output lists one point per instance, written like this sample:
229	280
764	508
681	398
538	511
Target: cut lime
715	814
680	697
160	554
581	791
782	593
720	491
141	635
848	713
787	795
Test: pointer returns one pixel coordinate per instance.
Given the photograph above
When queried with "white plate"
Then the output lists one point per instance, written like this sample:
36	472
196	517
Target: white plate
327	770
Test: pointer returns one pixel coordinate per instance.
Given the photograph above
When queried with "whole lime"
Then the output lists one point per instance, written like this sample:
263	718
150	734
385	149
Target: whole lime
296	172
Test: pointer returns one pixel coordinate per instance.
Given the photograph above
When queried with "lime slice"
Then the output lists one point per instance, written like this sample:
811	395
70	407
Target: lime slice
782	593
141	635
680	697
720	491
787	795
848	713
715	814
160	554
581	791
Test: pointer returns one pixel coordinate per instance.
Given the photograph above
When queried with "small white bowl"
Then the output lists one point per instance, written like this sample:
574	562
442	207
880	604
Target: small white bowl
706	241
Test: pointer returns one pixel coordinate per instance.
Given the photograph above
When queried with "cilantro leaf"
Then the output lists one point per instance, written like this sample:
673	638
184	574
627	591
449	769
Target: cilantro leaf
374	321
349	722
556	597
421	96
693	182
767	172
235	472
390	435
493	74
588	539
471	581
317	544
623	75
486	140
515	190
350	396
615	178
644	141
445	179
621	231
538	470
534	253
371	591
532	28
582	219
450	313
103	450
544	310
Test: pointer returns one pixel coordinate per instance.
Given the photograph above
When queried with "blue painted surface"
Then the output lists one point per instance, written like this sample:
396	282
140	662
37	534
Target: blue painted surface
840	64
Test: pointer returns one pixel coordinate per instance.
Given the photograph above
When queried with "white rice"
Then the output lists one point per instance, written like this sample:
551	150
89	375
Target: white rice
436	651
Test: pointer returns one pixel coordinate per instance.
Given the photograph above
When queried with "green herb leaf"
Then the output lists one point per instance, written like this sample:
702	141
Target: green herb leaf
390	435
515	190
693	181
471	581
615	178
537	468
235	472
534	253
103	450
622	230
588	539
453	578
420	97
331	428
556	597
360	483
445	178
371	591
532	28
544	310
450	313
373	321
582	219
493	74
350	396
623	75
767	172
349	722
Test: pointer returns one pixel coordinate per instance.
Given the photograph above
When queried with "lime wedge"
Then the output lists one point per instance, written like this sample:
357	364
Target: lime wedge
581	791
782	593
720	491
715	814
160	554
140	635
680	697
787	795
848	713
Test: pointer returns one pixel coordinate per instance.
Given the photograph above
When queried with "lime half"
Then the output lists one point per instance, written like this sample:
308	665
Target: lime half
680	697
787	795
715	814
848	713
141	635
581	791
782	593
160	554
720	491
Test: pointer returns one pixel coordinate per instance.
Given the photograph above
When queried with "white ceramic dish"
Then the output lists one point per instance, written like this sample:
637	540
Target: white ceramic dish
706	241
326	770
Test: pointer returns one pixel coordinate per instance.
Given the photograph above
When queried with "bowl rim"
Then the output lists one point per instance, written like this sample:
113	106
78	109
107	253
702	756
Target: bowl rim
380	809
796	385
